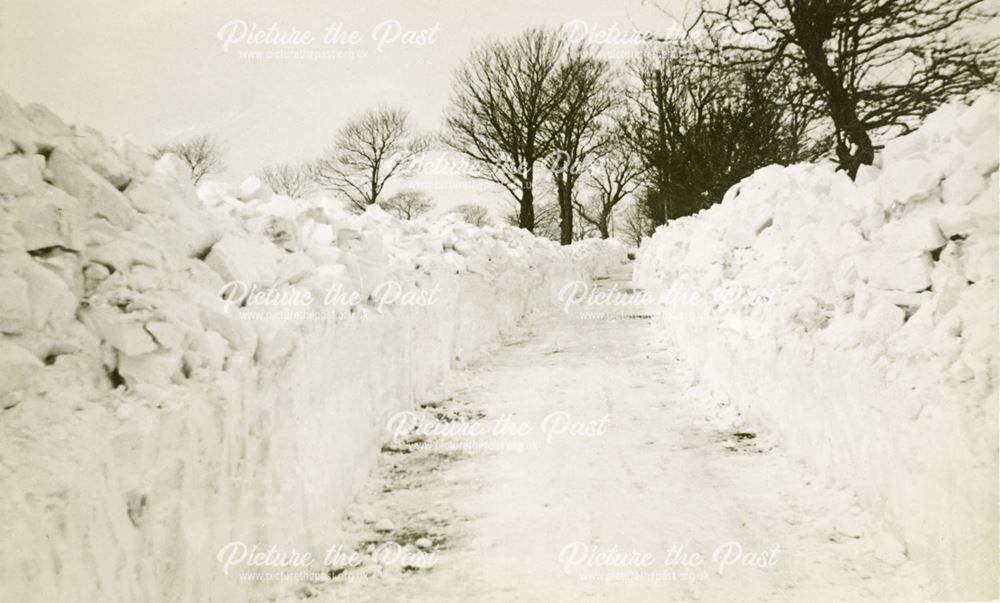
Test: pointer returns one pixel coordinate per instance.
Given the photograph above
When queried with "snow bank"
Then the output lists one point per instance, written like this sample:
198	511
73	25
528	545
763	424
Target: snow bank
168	386
858	322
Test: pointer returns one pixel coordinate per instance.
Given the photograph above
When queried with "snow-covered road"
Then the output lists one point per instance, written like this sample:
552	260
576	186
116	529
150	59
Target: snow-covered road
581	462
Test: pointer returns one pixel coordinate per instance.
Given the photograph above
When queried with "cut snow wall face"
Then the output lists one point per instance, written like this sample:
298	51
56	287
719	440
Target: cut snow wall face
858	322
147	423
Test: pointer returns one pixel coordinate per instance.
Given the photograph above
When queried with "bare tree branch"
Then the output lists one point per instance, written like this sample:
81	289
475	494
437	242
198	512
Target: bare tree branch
876	66
367	153
291	179
503	96
616	174
703	118
575	128
203	154
477	215
407	204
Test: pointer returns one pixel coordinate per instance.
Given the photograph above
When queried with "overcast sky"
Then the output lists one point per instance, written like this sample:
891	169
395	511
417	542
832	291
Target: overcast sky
154	71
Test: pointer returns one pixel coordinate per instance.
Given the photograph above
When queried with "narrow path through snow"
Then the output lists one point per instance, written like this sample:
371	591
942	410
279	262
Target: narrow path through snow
610	509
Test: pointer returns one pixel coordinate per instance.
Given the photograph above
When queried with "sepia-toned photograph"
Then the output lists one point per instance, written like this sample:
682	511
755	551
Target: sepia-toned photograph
528	301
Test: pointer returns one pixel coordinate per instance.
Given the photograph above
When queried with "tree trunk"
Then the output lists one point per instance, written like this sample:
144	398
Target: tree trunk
863	153
565	195
603	226
661	206
843	109
526	219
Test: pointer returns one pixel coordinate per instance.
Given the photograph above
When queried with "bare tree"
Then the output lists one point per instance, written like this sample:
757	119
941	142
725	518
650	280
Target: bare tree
583	228
503	97
635	224
368	151
407	204
474	214
614	176
876	66
702	122
546	219
292	179
575	128
203	154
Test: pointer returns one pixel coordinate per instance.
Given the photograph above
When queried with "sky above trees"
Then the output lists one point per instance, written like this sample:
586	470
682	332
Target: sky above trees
156	71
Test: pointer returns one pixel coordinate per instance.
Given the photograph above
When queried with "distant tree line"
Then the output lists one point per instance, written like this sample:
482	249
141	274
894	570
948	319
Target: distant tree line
579	144
754	82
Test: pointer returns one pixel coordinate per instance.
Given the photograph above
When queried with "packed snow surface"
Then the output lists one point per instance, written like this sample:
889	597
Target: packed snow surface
599	474
182	369
857	321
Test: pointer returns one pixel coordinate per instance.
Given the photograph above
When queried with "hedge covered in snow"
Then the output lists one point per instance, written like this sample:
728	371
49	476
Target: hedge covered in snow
178	372
857	321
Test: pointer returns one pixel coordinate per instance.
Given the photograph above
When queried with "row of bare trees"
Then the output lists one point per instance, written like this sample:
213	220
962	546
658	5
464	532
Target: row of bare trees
367	152
702	120
677	122
755	82
538	104
570	137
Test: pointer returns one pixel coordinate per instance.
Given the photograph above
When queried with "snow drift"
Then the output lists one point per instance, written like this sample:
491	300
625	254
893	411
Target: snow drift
154	410
857	321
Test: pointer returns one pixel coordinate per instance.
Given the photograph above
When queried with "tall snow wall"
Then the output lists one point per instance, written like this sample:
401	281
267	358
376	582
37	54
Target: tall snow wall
857	322
154	411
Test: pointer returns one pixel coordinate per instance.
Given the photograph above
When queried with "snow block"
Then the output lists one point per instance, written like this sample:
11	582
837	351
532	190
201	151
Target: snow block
50	218
123	332
15	305
16	368
914	232
152	368
902	270
137	161
19	175
907	180
252	189
154	389
72	176
100	157
245	260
